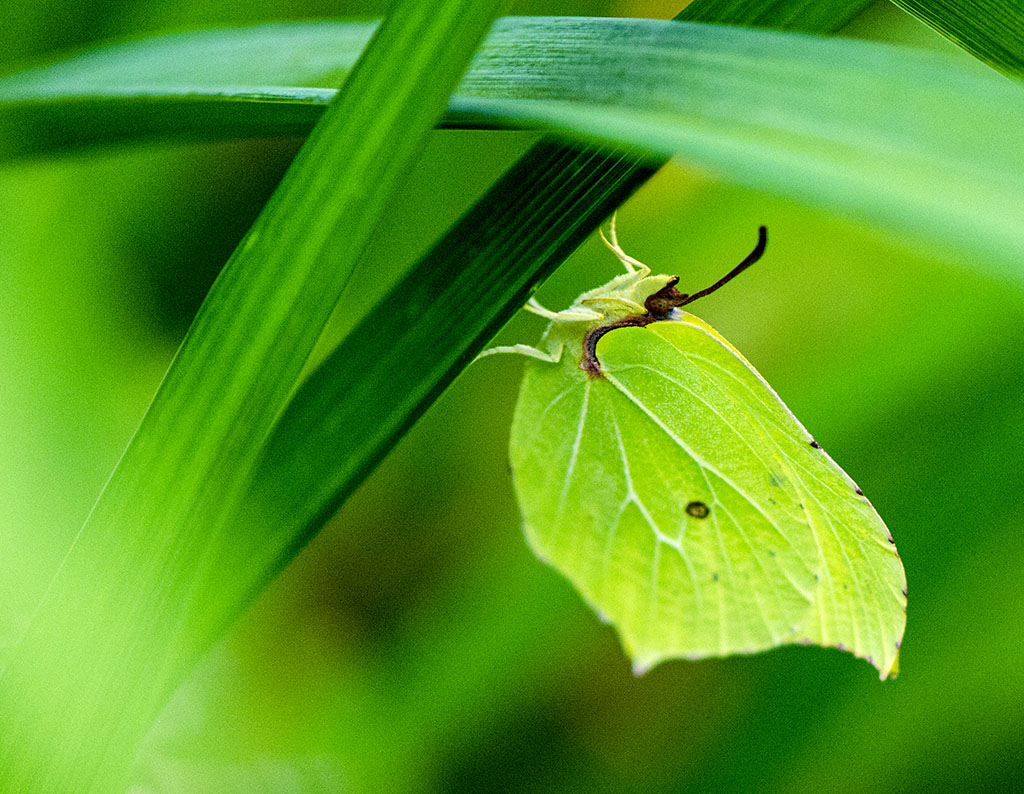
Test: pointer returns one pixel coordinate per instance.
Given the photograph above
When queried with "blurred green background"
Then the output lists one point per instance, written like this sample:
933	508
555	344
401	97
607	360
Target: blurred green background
417	645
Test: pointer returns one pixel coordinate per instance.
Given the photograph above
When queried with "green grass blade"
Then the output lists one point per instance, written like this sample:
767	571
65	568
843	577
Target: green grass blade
203	84
991	30
207	84
118	91
899	138
124	618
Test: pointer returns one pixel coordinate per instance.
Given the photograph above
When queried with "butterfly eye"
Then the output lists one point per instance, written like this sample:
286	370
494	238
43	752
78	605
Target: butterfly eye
662	302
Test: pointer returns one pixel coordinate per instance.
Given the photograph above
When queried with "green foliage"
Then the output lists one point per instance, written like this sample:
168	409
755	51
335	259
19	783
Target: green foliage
323	441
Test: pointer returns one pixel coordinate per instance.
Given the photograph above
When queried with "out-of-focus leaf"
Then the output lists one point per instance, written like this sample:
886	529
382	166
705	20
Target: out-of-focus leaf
289	775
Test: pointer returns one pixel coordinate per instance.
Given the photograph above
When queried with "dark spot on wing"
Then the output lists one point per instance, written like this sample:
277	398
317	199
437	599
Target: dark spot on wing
698	509
778	480
815	444
714	577
893	542
898	644
802	506
858	491
771	553
904	591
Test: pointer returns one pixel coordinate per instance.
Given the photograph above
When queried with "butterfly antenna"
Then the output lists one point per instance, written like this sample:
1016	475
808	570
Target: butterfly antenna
753	256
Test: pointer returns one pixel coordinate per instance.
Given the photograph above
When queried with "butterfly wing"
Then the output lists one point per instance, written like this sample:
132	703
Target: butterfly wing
691	509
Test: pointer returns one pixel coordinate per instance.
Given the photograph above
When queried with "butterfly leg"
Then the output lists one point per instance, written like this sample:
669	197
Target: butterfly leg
552	357
575	313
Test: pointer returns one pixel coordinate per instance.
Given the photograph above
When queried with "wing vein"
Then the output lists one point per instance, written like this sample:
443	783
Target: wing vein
698	459
570	470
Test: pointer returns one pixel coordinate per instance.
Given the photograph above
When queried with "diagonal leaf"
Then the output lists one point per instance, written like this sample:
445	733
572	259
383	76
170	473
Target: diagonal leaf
991	30
397	360
121	622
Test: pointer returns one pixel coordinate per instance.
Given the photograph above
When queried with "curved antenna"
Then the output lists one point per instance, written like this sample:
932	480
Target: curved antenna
753	256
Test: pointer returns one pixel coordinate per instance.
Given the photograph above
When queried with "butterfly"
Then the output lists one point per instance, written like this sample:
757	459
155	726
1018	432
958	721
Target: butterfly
658	471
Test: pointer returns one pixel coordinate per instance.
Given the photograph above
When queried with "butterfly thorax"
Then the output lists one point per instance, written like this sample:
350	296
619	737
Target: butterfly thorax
633	299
